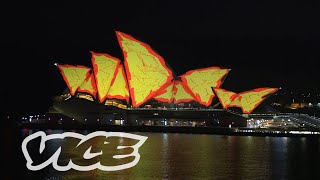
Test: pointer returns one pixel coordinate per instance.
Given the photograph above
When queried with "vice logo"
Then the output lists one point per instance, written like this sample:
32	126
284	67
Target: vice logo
82	157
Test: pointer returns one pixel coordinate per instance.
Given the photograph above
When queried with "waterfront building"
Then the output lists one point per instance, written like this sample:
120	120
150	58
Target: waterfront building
142	89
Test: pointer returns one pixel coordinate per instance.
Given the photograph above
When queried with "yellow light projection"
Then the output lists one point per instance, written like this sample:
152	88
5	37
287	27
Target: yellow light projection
74	76
105	69
88	86
145	75
249	100
225	97
165	95
119	88
200	82
176	91
147	72
181	93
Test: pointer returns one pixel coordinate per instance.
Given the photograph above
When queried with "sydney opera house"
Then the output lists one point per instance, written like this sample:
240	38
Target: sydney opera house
142	89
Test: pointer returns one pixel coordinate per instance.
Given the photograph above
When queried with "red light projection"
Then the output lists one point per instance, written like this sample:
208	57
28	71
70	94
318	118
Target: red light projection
166	94
119	88
176	91
147	72
105	69
225	97
89	86
74	76
145	75
181	93
247	101
200	82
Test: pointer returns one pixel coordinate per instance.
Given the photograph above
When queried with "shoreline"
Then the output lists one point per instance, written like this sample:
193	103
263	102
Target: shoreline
276	132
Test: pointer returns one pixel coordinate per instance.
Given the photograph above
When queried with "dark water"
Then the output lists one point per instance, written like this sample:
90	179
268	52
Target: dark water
186	156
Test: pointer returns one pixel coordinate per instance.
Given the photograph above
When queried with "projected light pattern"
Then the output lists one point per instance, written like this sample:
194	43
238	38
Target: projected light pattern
181	93
74	76
144	75
225	97
177	92
104	67
119	88
200	82
147	71
89	86
247	100
165	95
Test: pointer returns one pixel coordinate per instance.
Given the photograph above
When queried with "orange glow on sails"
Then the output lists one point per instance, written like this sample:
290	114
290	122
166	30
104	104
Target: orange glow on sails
89	86
176	91
181	93
147	72
225	97
200	82
74	76
247	100
119	89
105	69
145	75
166	94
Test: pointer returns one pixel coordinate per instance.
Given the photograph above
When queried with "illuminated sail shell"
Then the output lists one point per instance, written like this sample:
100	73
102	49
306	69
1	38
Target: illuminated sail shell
74	76
105	69
200	82
165	95
181	93
248	100
89	86
177	92
119	88
225	97
147	72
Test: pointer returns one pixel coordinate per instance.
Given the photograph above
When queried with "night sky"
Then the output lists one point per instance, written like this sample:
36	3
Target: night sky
265	43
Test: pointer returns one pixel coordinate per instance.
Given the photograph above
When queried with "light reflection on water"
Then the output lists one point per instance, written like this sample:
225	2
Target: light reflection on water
200	156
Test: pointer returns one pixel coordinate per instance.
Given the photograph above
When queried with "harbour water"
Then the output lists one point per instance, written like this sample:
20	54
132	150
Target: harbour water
184	156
